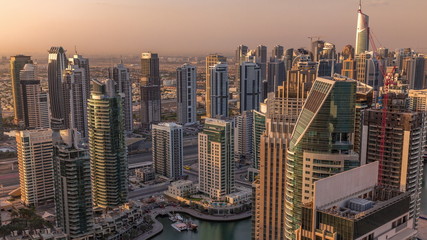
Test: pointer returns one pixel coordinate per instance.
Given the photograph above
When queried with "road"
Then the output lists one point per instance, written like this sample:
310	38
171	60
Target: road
190	154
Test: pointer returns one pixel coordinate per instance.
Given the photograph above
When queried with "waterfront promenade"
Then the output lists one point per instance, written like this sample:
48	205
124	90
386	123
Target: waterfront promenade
158	227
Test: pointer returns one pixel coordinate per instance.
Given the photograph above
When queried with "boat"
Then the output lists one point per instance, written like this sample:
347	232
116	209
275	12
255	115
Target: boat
179	217
192	226
172	217
180	226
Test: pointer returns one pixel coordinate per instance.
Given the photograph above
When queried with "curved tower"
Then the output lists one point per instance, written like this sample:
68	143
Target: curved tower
362	33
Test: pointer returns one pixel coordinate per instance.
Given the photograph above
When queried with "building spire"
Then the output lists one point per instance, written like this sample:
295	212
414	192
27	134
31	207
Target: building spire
360	5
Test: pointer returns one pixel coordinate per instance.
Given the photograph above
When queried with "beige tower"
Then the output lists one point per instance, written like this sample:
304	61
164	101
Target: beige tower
35	162
211	60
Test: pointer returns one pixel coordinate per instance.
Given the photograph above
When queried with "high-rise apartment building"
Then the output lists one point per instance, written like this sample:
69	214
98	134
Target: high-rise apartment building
73	192
107	146
349	68
17	63
57	64
186	84
211	60
216	158
243	142
351	205
167	140
120	75
150	105
316	151
34	148
81	62
219	91
1	122
250	86
362	32
35	105
74	95
402	163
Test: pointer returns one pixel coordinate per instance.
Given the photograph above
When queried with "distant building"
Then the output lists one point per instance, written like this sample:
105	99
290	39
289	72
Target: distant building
107	146
17	63
74	97
276	75
73	192
277	52
150	69
261	60
362	33
250	86
357	209
368	70
349	68
150	105
35	105
186	82
218	91
211	60
120	74
150	95
57	64
216	158
167	140
34	148
1	122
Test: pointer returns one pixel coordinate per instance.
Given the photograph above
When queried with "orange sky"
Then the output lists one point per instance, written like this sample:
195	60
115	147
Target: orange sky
198	27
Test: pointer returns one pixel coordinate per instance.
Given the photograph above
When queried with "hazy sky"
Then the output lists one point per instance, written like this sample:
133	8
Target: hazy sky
198	27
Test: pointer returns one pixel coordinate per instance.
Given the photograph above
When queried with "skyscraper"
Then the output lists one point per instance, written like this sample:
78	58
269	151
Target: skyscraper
368	69
278	52
34	148
1	122
150	95
57	63
243	142
74	89
107	147
276	75
250	86
316	49
216	158
211	60
120	75
413	71
35	108
362	33
241	52
218	91
150	105
17	63
186	78
73	195
402	163
167	139
150	69
316	151
81	62
261	60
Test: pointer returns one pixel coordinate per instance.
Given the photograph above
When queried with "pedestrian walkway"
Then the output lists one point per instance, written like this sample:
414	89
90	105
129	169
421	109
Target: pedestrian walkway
158	227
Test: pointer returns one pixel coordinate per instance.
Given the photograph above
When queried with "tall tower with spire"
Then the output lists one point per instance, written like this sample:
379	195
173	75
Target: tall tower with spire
362	33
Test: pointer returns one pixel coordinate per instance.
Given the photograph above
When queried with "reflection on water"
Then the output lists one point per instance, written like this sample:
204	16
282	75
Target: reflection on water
207	230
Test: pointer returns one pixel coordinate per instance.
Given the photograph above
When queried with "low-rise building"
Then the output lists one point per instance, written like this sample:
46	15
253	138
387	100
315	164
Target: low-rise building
242	195
145	174
182	188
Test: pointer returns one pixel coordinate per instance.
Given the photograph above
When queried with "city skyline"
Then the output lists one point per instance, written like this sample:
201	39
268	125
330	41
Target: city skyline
134	30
